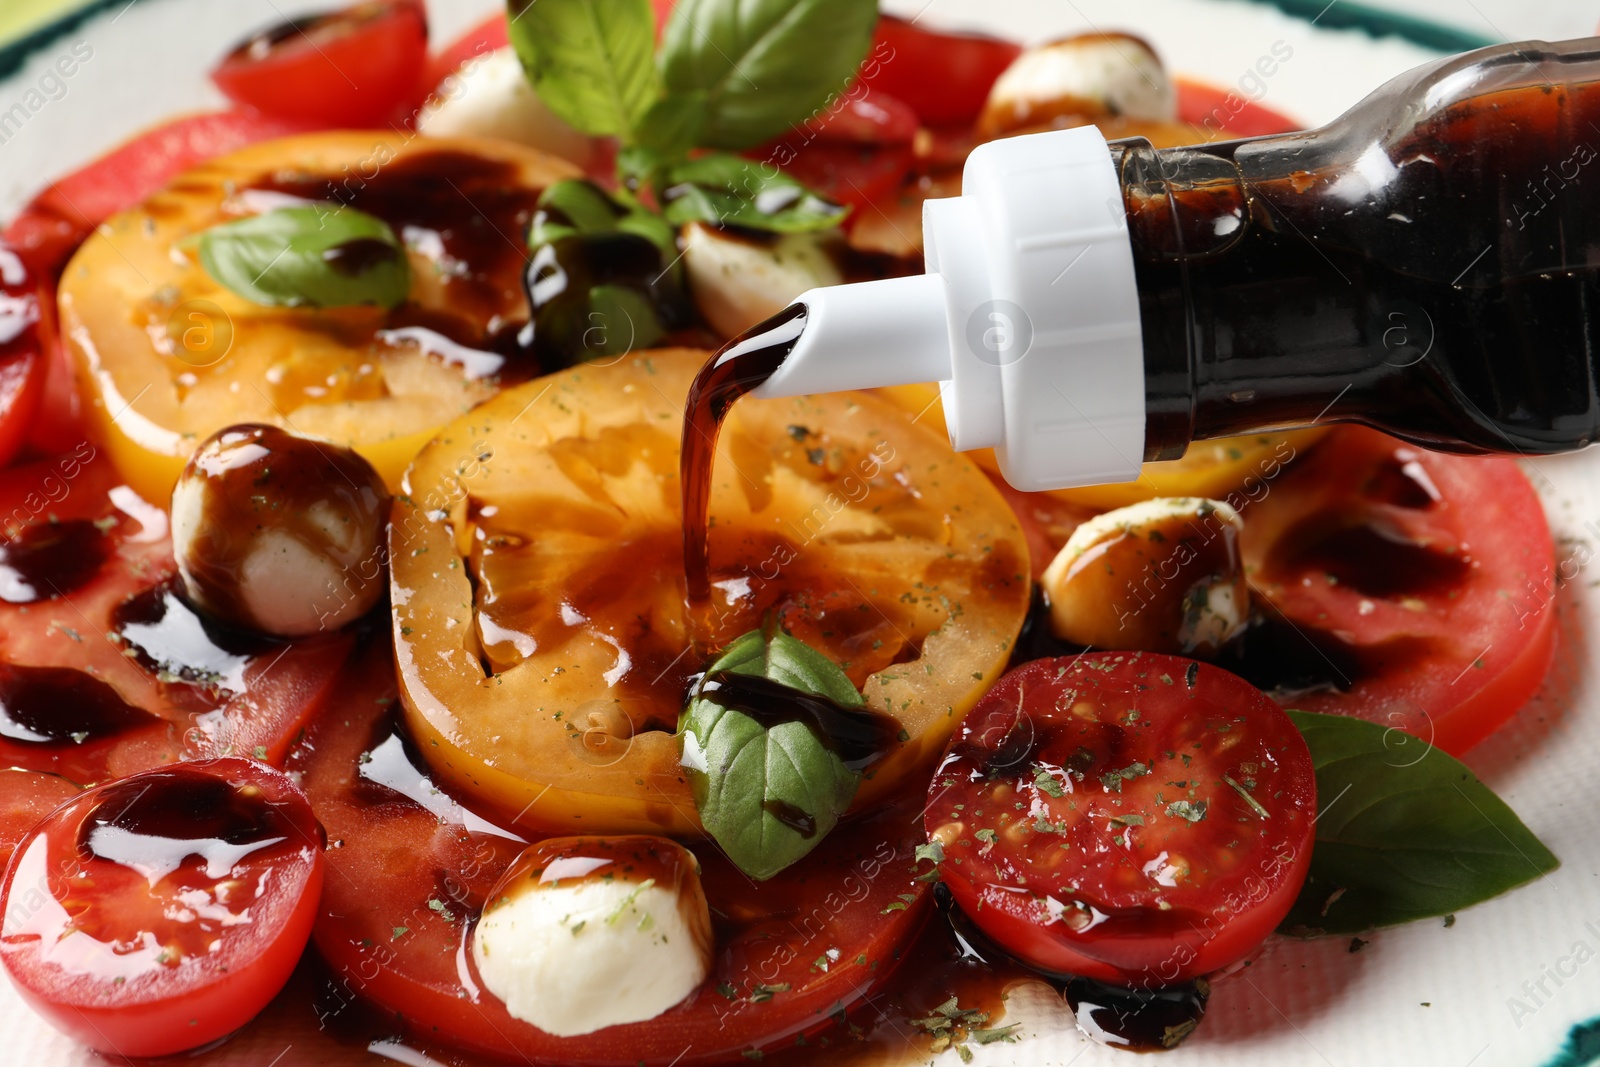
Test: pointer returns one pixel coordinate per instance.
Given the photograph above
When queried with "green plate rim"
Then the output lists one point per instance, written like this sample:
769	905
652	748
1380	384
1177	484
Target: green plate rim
1339	15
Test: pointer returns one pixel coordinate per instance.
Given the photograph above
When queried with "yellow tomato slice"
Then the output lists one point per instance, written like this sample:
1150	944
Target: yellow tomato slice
538	590
1209	469
167	356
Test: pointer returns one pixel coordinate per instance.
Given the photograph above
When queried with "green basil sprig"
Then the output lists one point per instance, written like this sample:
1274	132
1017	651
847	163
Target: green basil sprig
726	189
576	206
730	74
742	772
321	255
753	68
590	61
1406	832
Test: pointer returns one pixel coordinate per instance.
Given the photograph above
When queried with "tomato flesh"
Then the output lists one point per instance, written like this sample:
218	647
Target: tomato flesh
162	911
104	670
1414	589
945	77
23	359
1128	817
25	798
50	228
353	67
1224	112
410	870
854	153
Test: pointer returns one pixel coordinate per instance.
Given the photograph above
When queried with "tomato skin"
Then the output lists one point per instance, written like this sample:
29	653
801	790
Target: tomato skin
25	798
160	1008
490	35
50	228
275	688
944	77
354	67
858	150
1427	580
1113	843
23	359
389	857
1225	114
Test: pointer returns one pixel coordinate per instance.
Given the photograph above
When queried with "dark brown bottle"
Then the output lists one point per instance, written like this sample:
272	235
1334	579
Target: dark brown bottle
1428	264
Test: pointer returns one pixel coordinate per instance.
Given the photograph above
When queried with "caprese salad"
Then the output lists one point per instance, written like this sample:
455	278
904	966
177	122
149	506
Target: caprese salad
346	656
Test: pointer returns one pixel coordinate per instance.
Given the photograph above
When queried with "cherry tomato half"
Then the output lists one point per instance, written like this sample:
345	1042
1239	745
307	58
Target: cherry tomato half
944	77
162	911
1406	587
25	798
1128	817
353	67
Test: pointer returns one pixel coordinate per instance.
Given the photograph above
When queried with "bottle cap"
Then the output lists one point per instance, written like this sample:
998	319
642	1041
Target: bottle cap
1028	316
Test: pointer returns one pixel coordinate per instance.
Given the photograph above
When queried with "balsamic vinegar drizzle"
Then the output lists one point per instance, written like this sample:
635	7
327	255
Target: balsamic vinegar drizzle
157	822
859	736
1125	1017
161	632
62	706
739	367
49	559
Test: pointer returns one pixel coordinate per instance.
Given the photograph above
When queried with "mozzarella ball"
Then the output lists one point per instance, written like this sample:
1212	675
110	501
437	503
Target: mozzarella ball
1162	575
489	96
740	279
588	932
1095	75
279	533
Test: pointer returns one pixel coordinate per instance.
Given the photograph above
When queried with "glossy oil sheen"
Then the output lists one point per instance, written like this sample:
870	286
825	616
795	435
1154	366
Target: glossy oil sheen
737	369
473	211
163	633
62	706
46	560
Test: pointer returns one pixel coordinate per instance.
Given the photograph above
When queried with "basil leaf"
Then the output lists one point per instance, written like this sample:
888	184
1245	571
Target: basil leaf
751	783
672	125
1406	832
753	68
591	61
314	256
731	190
577	206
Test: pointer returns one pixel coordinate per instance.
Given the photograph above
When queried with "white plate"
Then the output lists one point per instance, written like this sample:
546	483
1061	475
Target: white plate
1504	986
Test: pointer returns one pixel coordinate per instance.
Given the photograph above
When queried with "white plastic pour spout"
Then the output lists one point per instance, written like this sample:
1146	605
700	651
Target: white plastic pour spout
1028	317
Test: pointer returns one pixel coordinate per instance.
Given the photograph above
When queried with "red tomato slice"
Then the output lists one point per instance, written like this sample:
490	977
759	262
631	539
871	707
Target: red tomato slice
51	227
25	798
103	670
945	77
487	36
858	151
46	233
1128	817
23	360
1417	588
410	869
161	912
1225	113
354	67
